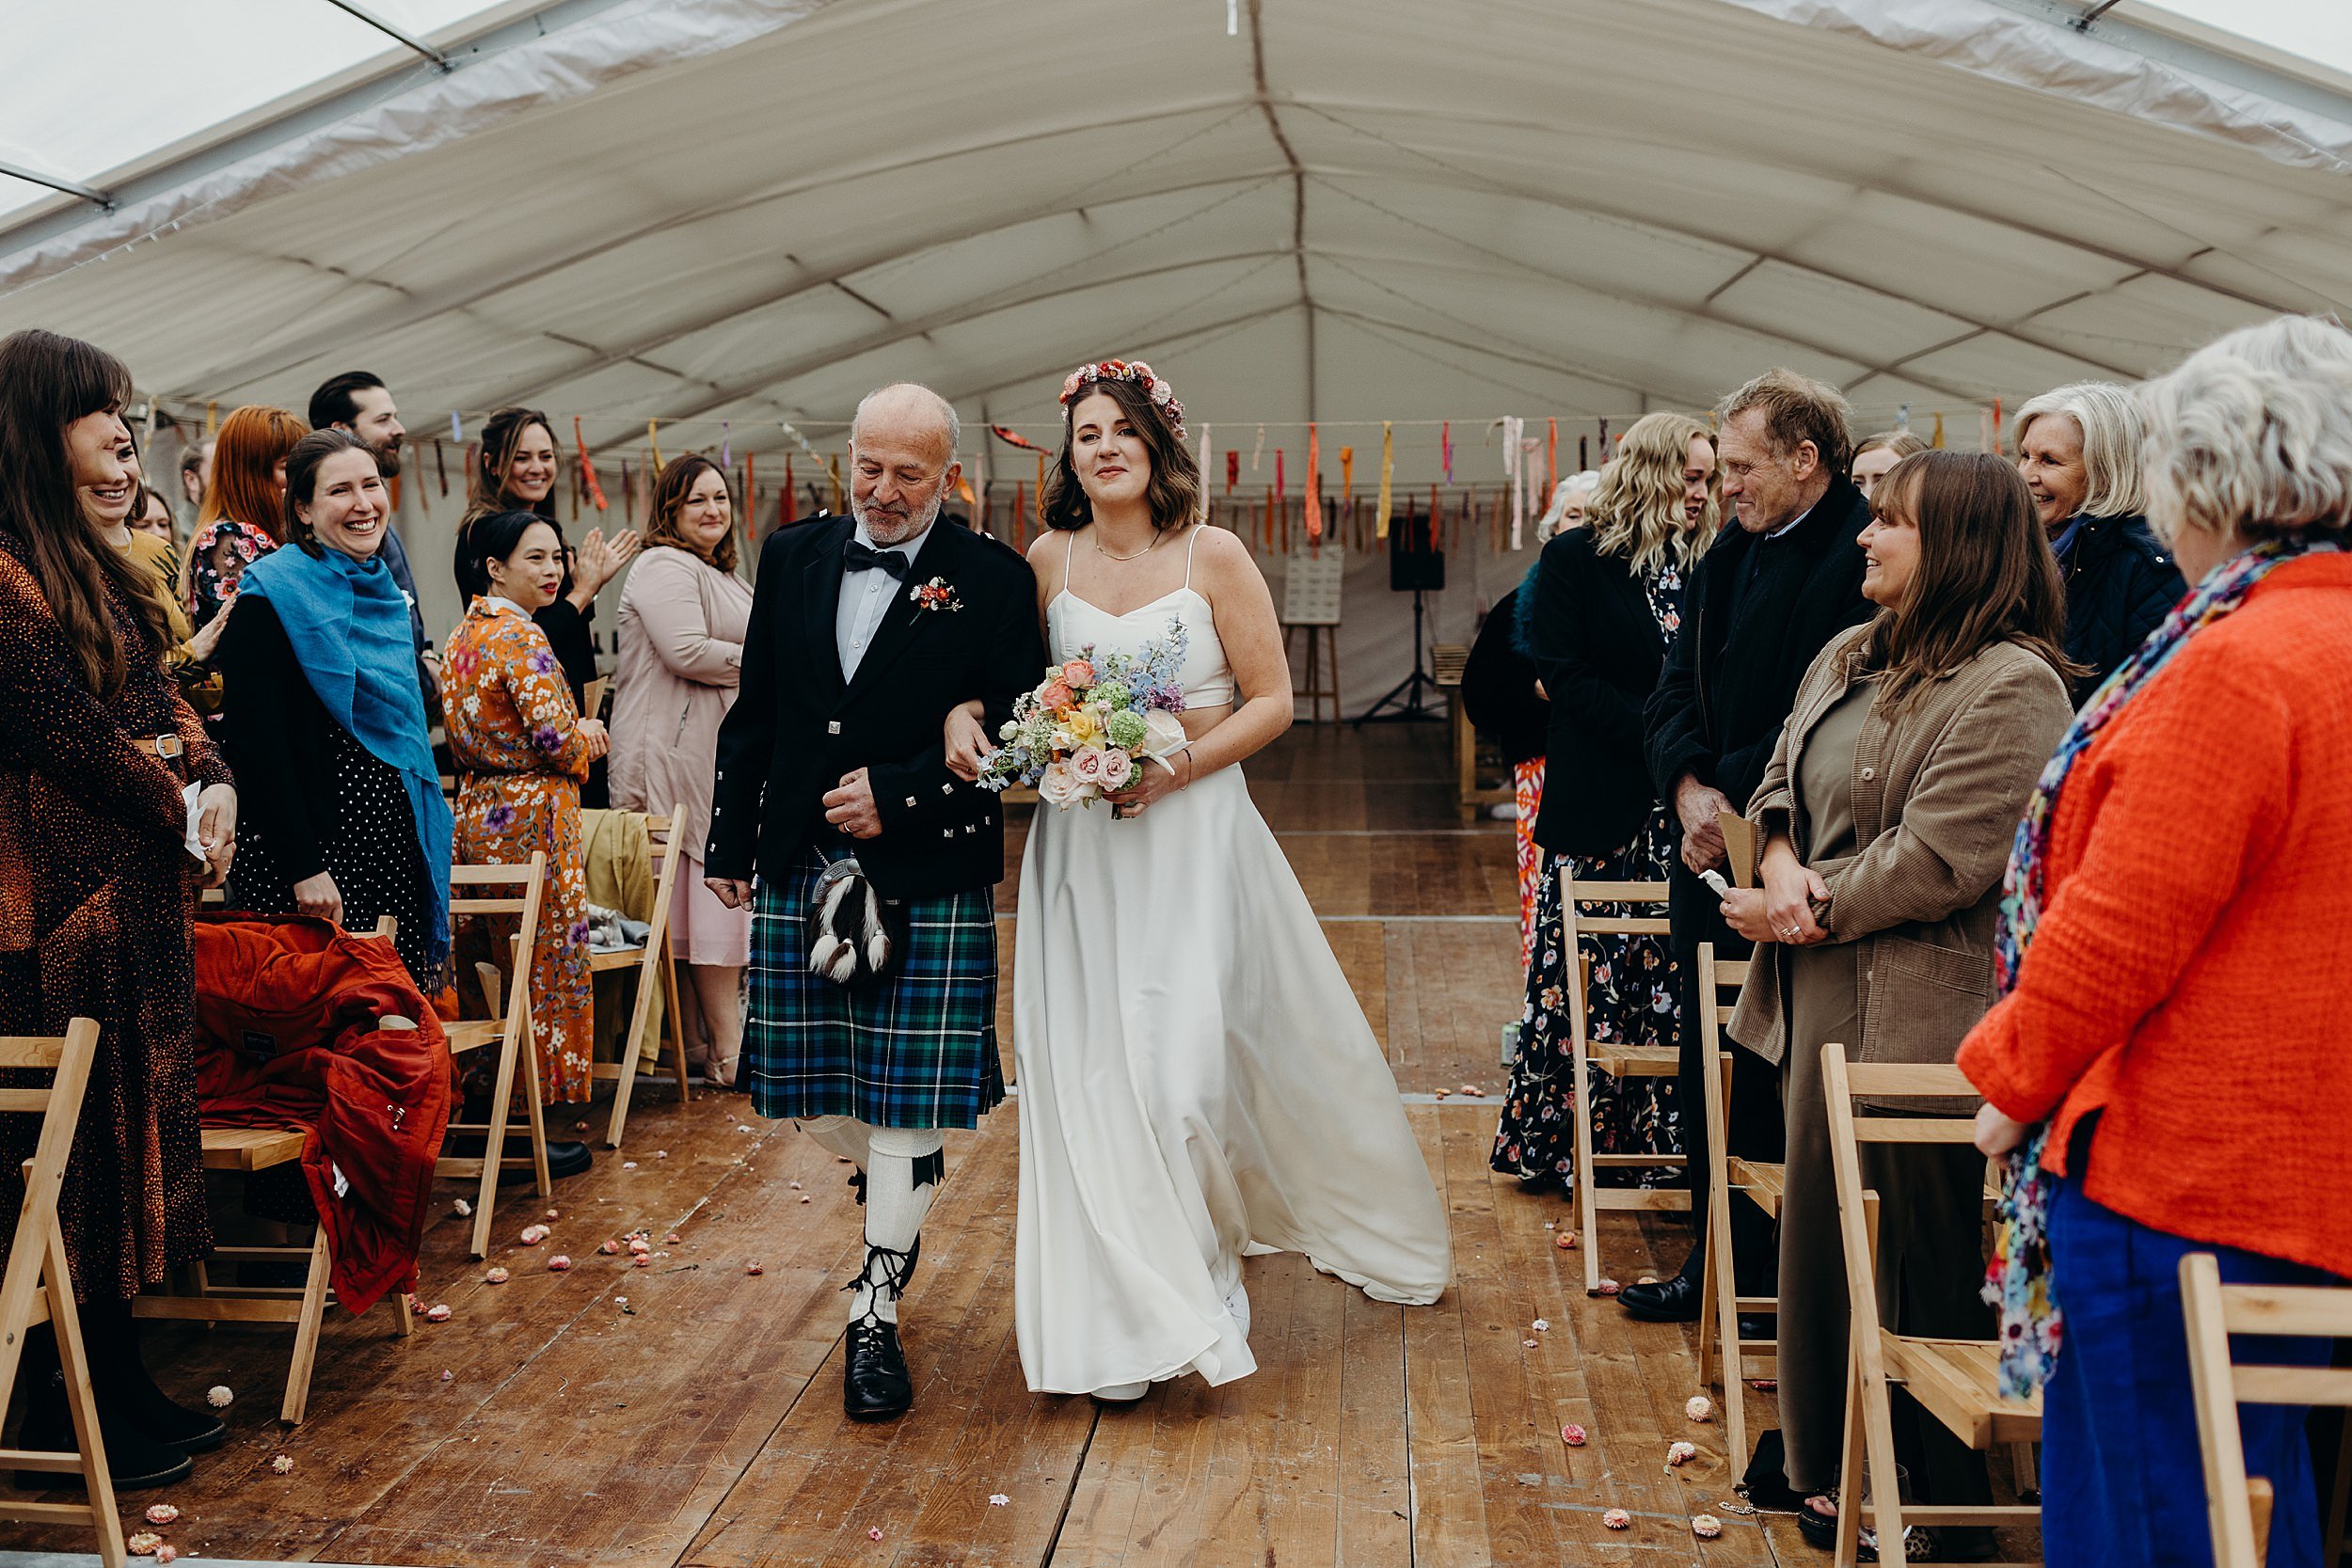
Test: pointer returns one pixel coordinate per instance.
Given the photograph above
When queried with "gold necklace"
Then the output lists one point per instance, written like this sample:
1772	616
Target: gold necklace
1137	556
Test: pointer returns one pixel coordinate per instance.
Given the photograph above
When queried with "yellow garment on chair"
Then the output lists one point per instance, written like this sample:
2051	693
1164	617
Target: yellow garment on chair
620	876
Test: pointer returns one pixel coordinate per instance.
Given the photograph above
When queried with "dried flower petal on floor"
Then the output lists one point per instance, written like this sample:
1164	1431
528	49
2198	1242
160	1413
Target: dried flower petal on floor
283	1463
553	1215
660	1153
1566	1239
162	1514
1541	1325
558	1264
1573	1435
871	1535
464	1209
1699	1408
629	1164
1618	1518
998	1499
641	1261
218	1395
1606	1288
1528	1344
1681	1451
445	1376
534	1234
671	1240
755	1268
1472	1091
496	1277
437	1313
608	1246
144	1543
166	1553
1706	1526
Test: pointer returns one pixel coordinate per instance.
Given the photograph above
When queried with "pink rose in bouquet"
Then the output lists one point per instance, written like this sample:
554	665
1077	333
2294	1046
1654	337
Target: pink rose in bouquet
1077	674
1118	768
1085	765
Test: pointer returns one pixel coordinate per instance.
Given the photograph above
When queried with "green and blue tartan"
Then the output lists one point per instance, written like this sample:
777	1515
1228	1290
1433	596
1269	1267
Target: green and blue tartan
914	1049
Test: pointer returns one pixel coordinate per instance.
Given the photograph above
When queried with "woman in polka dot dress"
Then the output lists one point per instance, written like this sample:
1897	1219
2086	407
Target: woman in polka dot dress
345	819
522	750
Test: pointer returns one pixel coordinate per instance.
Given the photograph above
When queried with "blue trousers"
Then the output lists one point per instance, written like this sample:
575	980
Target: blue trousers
2121	1481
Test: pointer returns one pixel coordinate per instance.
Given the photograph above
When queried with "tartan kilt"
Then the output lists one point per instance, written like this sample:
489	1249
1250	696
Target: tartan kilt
916	1049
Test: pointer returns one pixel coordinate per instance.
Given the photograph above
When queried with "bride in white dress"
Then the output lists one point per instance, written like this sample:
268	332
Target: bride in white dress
1196	1081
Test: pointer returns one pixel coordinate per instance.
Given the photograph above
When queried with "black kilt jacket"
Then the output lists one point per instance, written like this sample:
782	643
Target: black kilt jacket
797	728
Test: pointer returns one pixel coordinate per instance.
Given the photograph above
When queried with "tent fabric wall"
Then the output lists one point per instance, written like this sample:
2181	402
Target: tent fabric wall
726	214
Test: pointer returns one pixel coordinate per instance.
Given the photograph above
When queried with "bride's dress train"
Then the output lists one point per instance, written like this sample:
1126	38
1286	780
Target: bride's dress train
1196	1078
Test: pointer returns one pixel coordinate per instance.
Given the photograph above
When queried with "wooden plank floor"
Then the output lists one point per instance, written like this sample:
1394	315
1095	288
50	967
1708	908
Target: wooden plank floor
688	1412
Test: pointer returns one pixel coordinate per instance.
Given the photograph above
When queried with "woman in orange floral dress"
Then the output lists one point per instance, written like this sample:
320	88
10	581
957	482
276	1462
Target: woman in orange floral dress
521	750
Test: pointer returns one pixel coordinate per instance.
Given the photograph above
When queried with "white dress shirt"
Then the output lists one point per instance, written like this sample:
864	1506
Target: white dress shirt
866	599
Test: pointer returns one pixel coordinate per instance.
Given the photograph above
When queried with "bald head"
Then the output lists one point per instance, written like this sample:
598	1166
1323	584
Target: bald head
907	411
902	449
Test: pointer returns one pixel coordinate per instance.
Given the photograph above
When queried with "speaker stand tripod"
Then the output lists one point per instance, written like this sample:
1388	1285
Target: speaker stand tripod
1406	696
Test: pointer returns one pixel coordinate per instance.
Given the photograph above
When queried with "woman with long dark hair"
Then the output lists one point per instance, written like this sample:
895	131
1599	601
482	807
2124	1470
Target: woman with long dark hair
345	818
516	470
1885	815
99	756
521	750
683	613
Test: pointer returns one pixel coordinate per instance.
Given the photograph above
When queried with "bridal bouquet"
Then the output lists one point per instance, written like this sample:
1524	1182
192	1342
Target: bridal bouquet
1092	722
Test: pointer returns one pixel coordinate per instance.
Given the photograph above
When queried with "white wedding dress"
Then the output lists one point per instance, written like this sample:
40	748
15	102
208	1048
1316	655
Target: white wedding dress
1196	1078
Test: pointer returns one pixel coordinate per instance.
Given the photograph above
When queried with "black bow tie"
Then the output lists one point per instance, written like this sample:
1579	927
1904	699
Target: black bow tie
858	559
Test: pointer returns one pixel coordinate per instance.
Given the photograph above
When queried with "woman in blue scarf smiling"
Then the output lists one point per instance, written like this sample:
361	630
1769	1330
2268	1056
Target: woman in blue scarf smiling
327	734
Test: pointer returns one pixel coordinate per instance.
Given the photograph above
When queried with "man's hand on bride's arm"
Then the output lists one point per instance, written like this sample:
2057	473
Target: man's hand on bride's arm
967	740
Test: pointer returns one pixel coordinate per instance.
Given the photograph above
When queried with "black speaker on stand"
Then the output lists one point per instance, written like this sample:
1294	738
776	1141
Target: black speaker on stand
1416	566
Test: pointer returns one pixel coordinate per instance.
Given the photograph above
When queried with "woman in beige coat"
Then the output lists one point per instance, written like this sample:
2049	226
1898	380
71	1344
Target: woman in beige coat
683	613
1887	816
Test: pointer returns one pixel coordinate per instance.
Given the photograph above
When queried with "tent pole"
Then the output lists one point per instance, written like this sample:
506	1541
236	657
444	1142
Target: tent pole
18	171
352	8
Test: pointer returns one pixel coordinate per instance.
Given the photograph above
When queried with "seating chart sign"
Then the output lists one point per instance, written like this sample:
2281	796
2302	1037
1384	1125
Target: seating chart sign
1311	594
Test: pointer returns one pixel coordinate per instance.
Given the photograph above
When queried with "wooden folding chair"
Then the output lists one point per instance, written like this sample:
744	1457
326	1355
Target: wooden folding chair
1954	1380
510	1031
655	968
1620	1061
37	1287
2237	1506
1721	1349
250	1149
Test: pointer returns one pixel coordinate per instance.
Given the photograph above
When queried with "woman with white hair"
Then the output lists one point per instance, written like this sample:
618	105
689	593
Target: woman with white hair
2079	447
2161	1066
1569	498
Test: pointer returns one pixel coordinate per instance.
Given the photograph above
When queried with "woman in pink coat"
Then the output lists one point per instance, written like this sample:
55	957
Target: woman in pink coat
683	612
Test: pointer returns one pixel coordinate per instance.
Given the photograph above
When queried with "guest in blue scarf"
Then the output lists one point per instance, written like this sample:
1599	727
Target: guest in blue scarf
326	736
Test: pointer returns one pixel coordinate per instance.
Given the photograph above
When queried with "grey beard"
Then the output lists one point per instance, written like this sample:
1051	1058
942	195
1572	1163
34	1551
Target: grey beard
915	524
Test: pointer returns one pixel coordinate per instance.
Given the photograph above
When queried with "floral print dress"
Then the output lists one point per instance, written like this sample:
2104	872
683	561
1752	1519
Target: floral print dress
514	735
1634	1001
223	548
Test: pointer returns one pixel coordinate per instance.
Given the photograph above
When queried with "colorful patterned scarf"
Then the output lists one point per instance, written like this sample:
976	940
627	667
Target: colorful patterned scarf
2017	1280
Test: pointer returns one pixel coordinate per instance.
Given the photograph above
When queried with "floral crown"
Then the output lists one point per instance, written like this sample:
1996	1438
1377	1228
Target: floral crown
1163	396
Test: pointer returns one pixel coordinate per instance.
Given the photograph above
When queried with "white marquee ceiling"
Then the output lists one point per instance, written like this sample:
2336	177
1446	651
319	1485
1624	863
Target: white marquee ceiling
751	211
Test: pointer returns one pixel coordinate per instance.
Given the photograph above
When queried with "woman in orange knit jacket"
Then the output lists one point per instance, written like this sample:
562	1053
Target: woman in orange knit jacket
2173	1030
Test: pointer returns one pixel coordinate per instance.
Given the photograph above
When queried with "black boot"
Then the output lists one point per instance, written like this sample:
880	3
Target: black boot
118	1374
136	1461
875	1383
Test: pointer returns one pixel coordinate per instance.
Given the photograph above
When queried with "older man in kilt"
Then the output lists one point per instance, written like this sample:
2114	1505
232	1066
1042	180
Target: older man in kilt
874	968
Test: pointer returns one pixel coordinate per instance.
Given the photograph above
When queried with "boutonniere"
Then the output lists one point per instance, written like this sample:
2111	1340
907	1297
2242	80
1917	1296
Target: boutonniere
938	593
